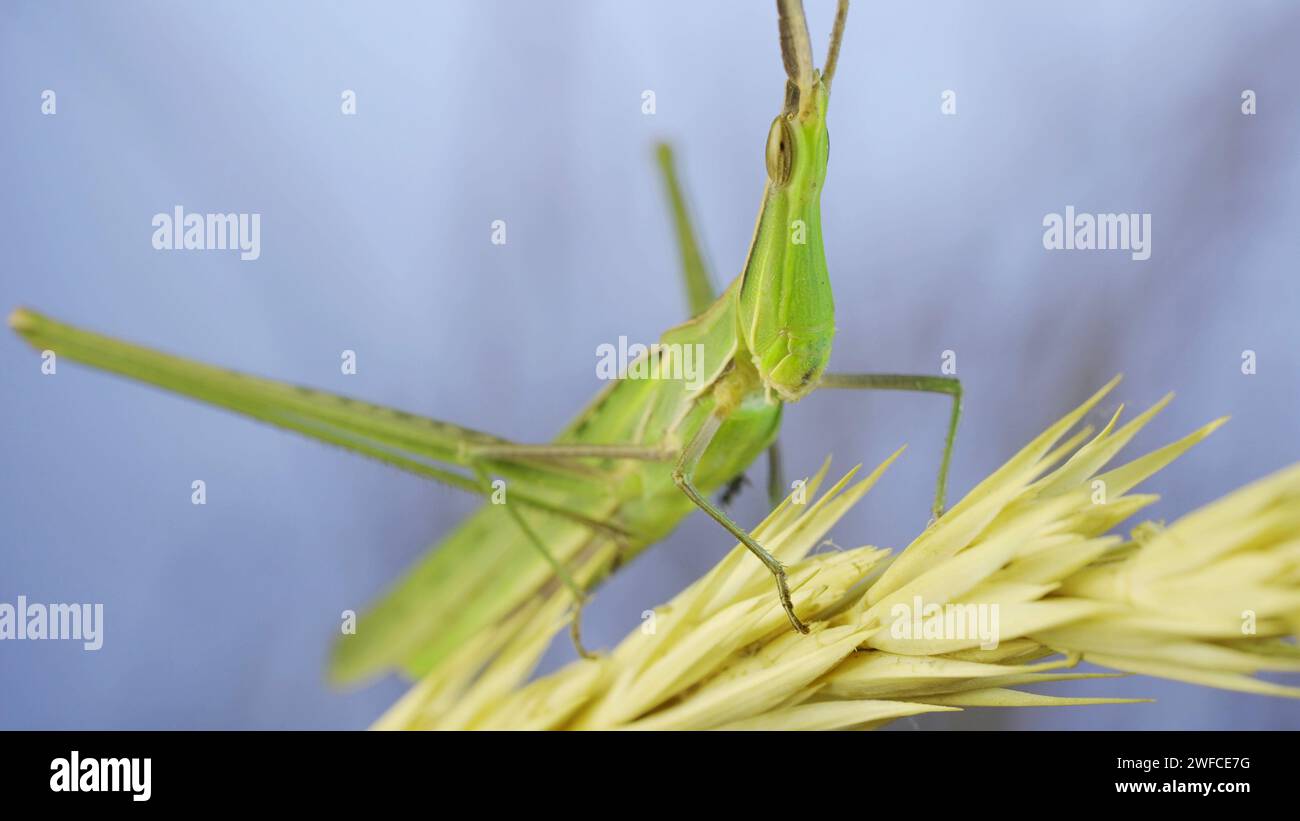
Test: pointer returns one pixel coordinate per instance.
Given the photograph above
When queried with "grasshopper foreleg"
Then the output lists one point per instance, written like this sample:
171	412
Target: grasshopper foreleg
683	474
949	385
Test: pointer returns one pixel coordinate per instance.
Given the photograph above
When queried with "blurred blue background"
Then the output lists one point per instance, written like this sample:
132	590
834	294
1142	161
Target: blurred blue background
375	238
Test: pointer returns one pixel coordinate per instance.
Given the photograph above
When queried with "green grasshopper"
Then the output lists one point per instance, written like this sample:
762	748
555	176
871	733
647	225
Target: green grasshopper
633	464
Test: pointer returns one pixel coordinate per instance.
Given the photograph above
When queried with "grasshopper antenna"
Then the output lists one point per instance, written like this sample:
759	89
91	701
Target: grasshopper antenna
837	36
796	53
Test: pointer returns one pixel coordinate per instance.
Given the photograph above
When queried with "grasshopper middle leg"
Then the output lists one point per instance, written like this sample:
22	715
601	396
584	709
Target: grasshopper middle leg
683	475
476	455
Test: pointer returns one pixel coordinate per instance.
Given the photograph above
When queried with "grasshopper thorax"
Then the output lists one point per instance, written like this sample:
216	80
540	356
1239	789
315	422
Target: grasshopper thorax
786	311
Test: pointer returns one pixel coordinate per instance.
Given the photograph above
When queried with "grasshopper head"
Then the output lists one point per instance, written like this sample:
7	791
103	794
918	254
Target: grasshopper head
787	313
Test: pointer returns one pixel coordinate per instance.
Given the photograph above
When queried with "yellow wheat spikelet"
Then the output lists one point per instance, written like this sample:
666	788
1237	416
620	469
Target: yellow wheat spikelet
1212	599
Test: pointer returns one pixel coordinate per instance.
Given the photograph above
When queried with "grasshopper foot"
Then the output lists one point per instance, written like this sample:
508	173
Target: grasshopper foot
575	631
783	590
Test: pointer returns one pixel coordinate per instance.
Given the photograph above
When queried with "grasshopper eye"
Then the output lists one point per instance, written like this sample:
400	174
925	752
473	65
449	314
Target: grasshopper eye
780	151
